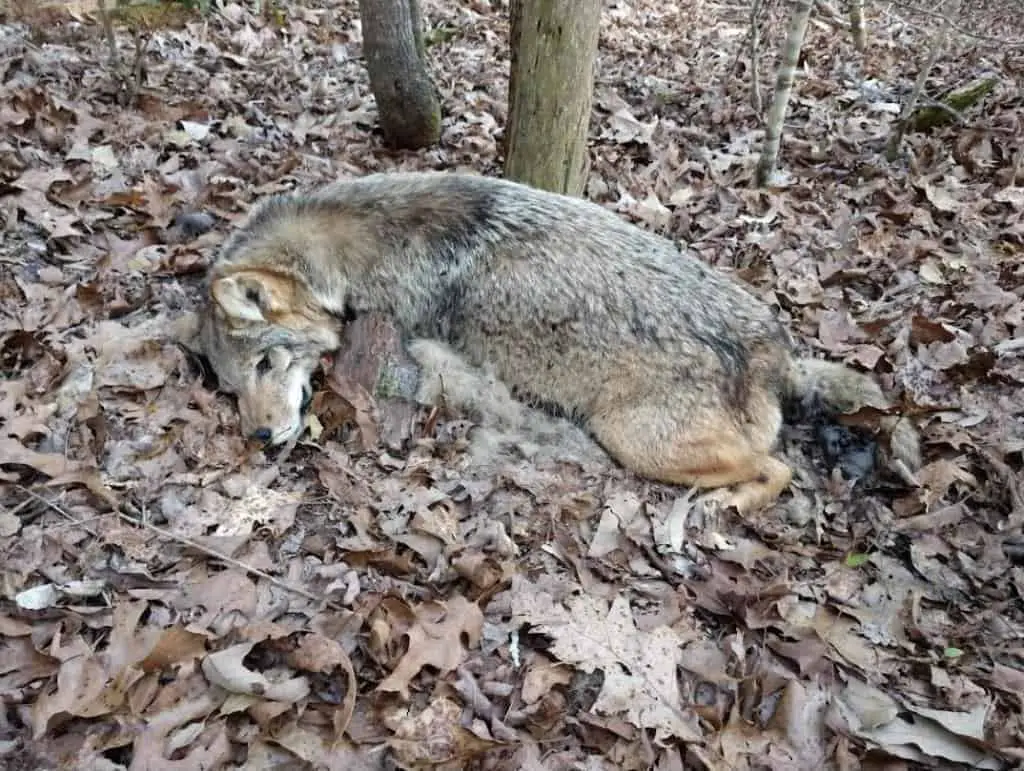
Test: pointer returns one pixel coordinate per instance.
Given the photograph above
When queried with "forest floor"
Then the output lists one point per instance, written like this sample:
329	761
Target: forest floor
174	599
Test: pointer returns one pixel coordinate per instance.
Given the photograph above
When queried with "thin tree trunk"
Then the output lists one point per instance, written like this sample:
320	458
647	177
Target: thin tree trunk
935	48
755	57
407	103
783	89
857	24
551	85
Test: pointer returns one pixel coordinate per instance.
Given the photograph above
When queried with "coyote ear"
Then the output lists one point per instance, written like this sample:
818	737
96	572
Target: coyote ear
251	295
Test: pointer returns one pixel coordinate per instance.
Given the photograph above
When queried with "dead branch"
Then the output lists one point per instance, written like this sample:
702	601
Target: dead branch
127	513
1018	166
936	46
130	79
830	15
954	27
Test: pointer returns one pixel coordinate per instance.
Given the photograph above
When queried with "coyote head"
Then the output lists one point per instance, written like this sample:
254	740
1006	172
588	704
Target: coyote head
263	339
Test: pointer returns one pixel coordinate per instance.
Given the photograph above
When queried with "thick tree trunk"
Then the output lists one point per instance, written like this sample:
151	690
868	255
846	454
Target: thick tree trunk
407	104
554	46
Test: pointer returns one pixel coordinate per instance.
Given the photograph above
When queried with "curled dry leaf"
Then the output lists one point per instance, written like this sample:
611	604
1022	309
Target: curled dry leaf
863	711
175	644
322	751
226	669
316	653
541	677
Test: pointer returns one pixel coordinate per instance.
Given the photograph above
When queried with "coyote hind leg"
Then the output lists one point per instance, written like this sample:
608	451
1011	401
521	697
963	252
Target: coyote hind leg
704	451
773	477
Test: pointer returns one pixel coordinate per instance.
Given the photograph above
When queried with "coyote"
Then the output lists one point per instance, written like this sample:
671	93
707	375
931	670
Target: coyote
675	370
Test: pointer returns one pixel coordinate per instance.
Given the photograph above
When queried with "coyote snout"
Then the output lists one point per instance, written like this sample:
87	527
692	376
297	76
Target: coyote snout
274	396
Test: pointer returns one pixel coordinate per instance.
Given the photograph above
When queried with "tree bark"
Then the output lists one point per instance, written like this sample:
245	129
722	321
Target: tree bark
783	88
378	378
860	36
407	103
551	85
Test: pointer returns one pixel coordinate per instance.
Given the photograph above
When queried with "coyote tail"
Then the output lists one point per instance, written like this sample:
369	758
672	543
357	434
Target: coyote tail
824	386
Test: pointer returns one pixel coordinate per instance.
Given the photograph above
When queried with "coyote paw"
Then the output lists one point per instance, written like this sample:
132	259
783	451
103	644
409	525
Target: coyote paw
716	501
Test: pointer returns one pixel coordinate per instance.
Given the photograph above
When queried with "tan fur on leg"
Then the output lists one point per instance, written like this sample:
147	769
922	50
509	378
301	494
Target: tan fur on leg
757	493
704	451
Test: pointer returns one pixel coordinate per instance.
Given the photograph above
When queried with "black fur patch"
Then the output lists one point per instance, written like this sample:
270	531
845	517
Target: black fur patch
454	232
199	364
347	315
447	312
853	452
479	216
554	409
643	325
731	352
734	359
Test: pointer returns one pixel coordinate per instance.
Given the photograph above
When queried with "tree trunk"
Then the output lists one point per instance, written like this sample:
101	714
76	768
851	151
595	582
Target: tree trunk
783	88
551	84
860	36
417	28
407	103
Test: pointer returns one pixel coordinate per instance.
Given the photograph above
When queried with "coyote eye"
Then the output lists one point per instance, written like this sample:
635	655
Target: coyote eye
263	365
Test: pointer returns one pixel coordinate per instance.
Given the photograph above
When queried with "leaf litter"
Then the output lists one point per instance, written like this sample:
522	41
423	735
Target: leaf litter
376	597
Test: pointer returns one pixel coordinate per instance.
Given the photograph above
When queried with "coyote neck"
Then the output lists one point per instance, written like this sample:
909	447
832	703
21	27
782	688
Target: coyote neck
347	270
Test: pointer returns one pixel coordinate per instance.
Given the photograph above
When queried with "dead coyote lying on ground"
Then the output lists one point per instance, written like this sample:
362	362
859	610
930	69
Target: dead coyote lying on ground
678	373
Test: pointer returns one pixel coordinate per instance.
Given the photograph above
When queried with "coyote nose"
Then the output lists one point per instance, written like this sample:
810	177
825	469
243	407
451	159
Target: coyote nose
262	434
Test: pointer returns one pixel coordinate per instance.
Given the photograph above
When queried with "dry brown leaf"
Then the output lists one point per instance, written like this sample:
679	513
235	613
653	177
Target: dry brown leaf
874	717
332	755
435	737
639	667
14	452
22	663
316	653
209	748
438	637
362	406
174	645
81	684
212	600
541	677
